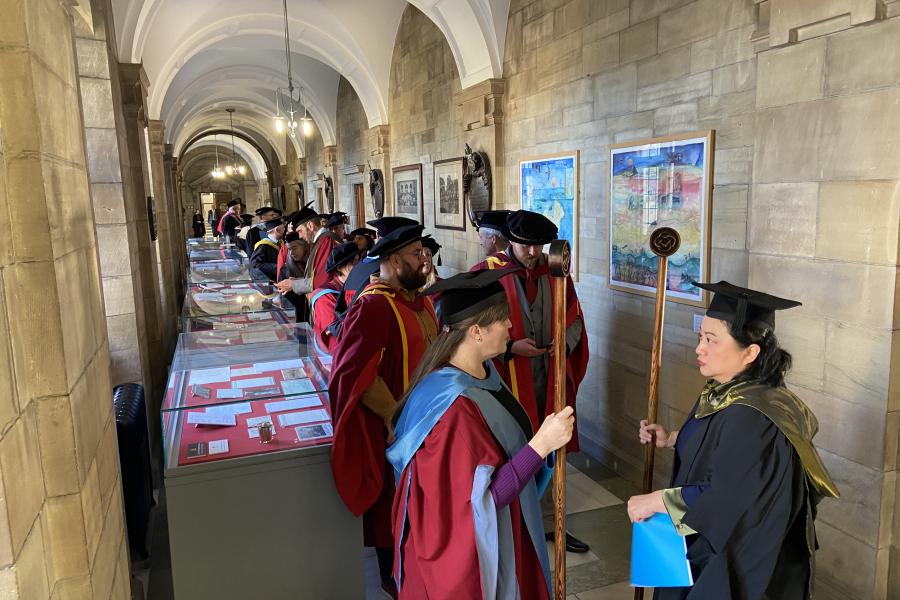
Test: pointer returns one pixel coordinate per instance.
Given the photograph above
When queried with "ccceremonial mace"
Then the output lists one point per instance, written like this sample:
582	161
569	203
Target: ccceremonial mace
560	261
664	242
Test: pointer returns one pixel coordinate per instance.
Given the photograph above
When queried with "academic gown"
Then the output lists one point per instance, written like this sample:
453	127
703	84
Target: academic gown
228	226
318	260
298	301
451	540
322	303
254	234
381	337
517	371
265	257
754	517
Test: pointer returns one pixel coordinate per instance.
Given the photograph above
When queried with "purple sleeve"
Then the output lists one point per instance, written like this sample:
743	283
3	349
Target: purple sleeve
512	477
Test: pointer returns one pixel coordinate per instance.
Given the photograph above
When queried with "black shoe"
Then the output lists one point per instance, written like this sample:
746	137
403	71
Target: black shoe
573	544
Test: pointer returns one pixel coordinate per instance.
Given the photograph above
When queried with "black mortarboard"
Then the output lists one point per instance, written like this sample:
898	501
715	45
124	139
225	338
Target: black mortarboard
270	225
467	294
291	237
492	219
363	231
739	306
247	219
264	209
234	202
341	255
395	240
529	228
385	225
303	215
432	244
336	218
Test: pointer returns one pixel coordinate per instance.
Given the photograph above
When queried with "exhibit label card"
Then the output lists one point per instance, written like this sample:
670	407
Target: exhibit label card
218	447
277	365
229	393
297	386
300	418
314	432
293	404
254	382
217	375
204	418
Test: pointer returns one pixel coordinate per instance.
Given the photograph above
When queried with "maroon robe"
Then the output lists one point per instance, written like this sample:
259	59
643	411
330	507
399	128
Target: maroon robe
380	337
439	556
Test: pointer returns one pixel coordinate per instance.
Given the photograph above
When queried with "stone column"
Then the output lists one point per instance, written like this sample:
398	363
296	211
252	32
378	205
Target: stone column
62	533
133	87
156	133
378	141
481	114
176	223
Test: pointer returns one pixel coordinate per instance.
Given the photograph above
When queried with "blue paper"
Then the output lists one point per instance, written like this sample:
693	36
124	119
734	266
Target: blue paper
659	554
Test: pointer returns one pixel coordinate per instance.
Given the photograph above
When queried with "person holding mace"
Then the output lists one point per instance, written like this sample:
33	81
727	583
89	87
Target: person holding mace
469	471
746	476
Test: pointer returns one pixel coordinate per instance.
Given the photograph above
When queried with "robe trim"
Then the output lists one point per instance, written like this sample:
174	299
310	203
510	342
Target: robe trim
267	242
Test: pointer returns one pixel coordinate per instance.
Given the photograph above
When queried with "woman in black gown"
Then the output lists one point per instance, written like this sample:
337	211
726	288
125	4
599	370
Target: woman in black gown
746	476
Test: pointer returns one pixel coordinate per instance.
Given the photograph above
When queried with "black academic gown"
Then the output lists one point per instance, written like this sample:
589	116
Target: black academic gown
751	518
265	259
298	301
254	234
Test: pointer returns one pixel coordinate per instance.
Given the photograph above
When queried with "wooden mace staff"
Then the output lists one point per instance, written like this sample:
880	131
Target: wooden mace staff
664	242
560	261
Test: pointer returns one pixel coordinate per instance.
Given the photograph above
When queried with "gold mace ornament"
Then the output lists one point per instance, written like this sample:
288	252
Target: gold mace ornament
560	261
664	242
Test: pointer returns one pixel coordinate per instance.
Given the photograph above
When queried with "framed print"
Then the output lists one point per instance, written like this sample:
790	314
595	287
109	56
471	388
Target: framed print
664	181
449	200
408	192
549	185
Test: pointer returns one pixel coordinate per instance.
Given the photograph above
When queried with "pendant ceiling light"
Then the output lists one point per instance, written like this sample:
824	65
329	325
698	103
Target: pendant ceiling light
234	167
284	119
217	172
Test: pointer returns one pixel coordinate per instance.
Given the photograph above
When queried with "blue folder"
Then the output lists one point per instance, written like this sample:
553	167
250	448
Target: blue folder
659	554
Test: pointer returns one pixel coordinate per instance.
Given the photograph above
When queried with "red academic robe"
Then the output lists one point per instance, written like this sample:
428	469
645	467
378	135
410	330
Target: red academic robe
282	259
517	372
323	314
440	559
322	250
381	336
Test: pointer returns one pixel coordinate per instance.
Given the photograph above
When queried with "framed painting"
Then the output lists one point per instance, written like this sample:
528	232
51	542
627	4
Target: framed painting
664	181
408	192
449	199
549	185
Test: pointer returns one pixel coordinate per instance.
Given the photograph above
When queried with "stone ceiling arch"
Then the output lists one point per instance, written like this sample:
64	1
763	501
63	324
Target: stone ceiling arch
251	125
246	151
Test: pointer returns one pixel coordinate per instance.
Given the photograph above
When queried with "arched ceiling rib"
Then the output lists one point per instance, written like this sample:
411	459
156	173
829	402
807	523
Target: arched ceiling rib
245	151
201	52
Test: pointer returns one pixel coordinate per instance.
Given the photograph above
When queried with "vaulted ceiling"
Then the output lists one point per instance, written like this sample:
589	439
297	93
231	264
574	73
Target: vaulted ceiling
202	56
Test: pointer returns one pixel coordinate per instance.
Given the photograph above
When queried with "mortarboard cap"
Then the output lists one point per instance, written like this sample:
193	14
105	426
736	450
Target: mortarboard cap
467	294
341	255
385	225
432	244
529	228
234	202
336	218
363	231
739	306
246	219
272	224
264	209
291	237
492	219
303	215
395	240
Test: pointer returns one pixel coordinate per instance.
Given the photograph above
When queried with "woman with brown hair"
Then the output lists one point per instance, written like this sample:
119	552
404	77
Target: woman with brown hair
466	516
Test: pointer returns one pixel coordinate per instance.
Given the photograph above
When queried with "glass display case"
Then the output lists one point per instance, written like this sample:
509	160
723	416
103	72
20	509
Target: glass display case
203	254
244	400
221	271
217	299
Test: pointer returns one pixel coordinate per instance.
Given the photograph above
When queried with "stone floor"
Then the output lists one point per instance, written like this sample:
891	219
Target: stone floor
596	514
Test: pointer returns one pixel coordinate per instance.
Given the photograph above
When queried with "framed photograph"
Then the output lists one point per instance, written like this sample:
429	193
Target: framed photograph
408	192
549	185
449	199
664	181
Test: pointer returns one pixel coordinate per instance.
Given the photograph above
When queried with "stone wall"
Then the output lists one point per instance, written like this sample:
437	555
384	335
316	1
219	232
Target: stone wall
352	151
61	528
315	165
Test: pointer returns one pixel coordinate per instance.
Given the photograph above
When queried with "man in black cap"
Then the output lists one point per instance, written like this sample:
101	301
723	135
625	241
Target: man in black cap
383	338
230	221
254	234
528	369
265	254
336	223
363	237
341	261
307	223
489	225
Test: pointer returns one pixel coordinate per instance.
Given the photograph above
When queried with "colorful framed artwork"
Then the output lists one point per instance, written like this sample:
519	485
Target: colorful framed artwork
408	192
665	181
549	185
449	199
